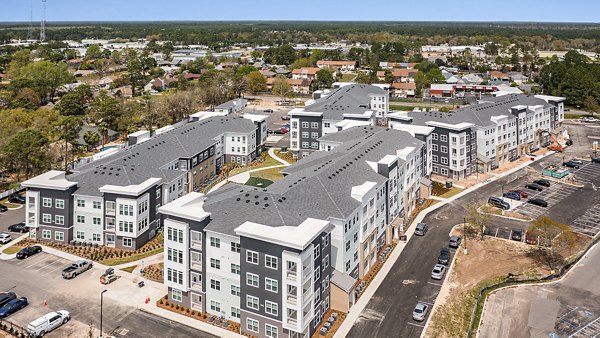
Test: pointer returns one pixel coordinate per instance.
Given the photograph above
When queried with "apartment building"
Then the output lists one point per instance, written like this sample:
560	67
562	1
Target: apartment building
486	135
114	201
266	257
305	73
342	66
335	110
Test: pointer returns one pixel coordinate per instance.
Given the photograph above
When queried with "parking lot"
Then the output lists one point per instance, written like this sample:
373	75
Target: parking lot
504	232
589	222
556	193
11	217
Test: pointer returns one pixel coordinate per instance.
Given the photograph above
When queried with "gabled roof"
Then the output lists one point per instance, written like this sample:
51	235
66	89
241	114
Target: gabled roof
351	99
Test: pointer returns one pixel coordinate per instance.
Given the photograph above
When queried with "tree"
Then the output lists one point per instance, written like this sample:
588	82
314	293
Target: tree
106	108
71	104
44	77
478	219
555	240
67	129
27	151
91	139
323	79
135	74
103	130
303	62
256	82
591	105
364	77
93	52
282	88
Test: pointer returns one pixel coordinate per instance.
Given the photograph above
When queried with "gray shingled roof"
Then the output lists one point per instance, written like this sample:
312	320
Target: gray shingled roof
319	186
479	114
353	99
145	160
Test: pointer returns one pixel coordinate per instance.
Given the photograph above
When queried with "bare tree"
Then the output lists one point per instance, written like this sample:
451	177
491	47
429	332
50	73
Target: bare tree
555	241
478	220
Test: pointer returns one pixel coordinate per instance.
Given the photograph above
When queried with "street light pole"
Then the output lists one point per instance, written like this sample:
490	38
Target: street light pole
101	305
465	233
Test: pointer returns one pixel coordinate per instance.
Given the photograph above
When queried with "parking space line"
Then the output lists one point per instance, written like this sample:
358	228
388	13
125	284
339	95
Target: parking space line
421	326
425	303
59	267
436	284
28	262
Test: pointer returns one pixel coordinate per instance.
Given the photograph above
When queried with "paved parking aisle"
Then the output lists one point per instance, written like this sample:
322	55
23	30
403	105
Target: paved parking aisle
43	264
555	194
589	222
588	173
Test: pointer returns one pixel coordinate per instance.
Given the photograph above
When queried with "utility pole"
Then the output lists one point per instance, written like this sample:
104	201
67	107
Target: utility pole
30	27
43	23
465	233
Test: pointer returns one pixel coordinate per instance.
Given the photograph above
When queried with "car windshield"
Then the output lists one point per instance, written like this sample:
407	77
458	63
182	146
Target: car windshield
418	310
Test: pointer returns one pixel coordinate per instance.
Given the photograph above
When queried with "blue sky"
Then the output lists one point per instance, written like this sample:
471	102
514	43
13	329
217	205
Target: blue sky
385	10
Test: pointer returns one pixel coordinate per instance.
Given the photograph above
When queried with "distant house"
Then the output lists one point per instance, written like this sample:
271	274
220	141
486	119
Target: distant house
390	65
404	75
158	84
80	73
518	78
309	73
299	86
342	66
75	63
231	106
406	89
191	76
498	76
267	73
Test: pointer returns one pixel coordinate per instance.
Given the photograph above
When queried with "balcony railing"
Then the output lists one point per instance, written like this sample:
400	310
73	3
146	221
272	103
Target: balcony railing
292	299
111	212
197	286
110	227
292	275
292	322
197	244
197	265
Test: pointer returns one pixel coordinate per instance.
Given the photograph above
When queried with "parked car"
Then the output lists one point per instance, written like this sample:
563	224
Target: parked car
421	229
444	257
512	195
539	202
455	241
268	111
17	199
6	297
420	312
523	194
438	271
498	203
595	159
530	239
534	186
3	208
285	117
569	142
29	251
47	323
19	227
76	268
270	131
517	235
571	164
576	161
279	132
13	306
5	238
542	182
284	130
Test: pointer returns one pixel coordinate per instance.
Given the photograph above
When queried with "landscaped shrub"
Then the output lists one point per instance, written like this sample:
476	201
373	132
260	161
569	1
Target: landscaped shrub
177	307
160	302
193	313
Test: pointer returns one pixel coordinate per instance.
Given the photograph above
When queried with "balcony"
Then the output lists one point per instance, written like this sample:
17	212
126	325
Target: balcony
111	212
292	322
291	299
197	286
292	275
197	244
31	206
196	265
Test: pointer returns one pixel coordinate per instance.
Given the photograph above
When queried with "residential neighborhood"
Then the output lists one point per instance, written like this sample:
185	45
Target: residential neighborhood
288	177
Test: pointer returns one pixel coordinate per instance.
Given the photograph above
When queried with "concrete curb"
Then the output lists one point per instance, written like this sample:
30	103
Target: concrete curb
502	216
277	158
532	284
6	257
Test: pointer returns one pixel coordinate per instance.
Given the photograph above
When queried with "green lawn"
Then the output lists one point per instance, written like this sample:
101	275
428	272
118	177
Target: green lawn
272	174
401	107
451	192
258	182
267	162
12	250
129	268
123	260
576	116
347	77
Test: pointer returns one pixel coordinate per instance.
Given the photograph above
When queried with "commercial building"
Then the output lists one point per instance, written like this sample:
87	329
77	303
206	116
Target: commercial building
268	258
114	200
334	110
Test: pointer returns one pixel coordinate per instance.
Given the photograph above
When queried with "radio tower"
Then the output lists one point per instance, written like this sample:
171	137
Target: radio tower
30	28
43	25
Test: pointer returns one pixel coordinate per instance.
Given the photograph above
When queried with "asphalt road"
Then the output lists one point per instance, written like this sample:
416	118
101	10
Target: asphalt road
389	312
11	217
38	278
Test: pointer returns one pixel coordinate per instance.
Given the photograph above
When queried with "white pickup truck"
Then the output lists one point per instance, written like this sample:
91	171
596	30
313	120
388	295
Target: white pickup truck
76	268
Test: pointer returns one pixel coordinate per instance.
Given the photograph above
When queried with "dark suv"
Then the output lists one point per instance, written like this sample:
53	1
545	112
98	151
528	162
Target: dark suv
542	182
534	186
444	257
498	203
6	297
17	199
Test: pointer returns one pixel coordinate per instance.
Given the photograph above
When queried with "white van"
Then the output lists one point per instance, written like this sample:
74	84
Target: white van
47	323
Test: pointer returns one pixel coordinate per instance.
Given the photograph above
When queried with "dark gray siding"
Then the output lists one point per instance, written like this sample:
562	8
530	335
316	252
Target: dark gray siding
310	130
67	212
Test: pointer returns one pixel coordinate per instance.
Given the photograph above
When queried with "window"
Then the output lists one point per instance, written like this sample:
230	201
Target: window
347	245
434	147
235	247
304	124
317	296
434	136
97	205
252	302
80	219
215	242
46	218
317	273
81	203
235	312
175	235
80	235
444	149
444	138
305	134
215	263
314	125
347	265
444	171
325	261
271	262
314	135
215	306
252	257
326	124
444	160
47	202
59	220
271	308
355	256
215	284
317	251
59	236
176	295
355	237
236	290
252	325
96	237
434	158
46	234
235	268
174	255
128	242
97	220
252	279
271	284
305	145
270	331
125	226
59	204
314	145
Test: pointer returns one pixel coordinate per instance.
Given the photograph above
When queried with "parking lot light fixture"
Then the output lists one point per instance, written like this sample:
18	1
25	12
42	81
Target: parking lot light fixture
465	234
101	304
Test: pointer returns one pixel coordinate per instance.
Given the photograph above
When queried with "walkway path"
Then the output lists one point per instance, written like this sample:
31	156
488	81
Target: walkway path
242	178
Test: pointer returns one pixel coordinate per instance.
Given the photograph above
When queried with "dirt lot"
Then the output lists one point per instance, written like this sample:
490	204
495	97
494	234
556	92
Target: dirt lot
470	273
